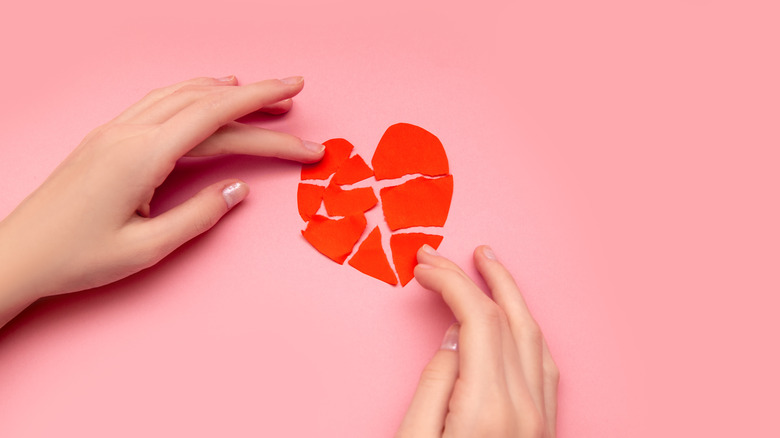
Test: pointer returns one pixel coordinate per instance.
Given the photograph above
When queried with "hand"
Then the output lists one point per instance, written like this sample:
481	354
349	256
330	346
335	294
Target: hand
89	225
494	376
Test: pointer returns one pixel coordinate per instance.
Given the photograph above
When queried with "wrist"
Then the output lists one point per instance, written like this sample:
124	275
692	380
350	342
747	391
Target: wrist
20	285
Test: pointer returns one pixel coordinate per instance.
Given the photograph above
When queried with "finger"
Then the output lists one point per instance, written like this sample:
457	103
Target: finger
170	105
195	123
482	322
157	95
163	234
466	300
528	414
238	138
185	96
551	379
280	107
525	331
428	410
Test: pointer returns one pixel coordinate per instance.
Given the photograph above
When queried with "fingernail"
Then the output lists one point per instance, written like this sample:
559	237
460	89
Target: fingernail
488	252
292	80
314	147
235	193
226	78
429	249
450	341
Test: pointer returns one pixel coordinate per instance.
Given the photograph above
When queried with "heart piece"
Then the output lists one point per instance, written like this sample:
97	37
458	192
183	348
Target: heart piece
352	171
340	202
309	200
407	150
404	247
420	202
335	238
370	259
337	152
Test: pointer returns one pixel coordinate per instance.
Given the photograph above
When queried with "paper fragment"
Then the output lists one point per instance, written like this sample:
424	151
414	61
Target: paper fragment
353	170
420	202
335	238
309	200
404	247
407	150
370	259
337	151
340	202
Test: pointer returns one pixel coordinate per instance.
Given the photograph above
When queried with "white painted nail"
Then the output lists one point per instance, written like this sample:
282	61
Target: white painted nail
489	253
450	341
235	193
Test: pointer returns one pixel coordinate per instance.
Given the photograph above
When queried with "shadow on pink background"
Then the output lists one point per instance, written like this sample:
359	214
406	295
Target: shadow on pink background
620	157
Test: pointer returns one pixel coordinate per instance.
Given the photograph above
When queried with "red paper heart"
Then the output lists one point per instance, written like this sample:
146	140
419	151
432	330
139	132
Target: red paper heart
420	202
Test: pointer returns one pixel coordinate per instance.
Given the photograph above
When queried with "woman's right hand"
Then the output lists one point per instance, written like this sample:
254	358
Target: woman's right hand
494	375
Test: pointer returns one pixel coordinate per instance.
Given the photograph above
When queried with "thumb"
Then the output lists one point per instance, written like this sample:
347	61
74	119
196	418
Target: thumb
197	214
430	404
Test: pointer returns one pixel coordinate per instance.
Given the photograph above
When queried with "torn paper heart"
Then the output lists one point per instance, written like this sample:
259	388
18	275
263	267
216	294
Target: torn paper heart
411	170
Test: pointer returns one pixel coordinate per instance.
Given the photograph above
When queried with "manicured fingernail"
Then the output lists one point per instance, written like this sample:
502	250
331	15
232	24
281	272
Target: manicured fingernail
488	252
314	147
429	249
226	78
450	341
235	193
292	80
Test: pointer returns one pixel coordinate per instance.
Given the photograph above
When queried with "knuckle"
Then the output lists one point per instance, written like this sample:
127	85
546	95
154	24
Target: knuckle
531	331
189	88
497	420
493	315
96	133
203	222
213	106
453	280
150	256
552	373
434	375
156	94
532	424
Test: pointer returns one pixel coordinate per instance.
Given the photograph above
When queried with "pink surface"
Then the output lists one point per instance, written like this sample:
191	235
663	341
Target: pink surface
636	142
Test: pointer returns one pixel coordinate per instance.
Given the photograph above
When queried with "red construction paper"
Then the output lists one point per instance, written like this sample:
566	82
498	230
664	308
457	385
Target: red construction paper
404	247
352	171
408	149
340	202
309	200
337	151
418	202
335	238
370	259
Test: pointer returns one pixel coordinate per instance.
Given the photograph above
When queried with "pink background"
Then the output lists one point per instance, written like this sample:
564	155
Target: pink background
620	157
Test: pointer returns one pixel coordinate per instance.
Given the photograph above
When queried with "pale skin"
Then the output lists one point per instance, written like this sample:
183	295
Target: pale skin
89	225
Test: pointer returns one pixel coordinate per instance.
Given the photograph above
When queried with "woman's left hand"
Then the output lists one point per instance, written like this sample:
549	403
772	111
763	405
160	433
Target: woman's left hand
89	225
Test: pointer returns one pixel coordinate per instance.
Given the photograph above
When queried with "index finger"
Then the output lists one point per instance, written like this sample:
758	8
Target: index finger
201	119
